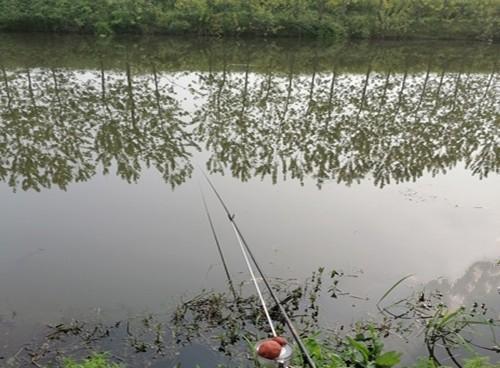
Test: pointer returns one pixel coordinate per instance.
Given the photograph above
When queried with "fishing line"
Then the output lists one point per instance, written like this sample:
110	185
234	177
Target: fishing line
243	242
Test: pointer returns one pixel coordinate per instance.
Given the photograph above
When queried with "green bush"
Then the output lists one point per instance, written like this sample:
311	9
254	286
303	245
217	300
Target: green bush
436	19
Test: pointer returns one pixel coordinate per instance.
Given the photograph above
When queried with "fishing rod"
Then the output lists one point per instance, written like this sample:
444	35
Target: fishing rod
254	279
244	246
247	261
217	243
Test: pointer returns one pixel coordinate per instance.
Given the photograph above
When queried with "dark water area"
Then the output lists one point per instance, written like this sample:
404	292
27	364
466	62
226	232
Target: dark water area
377	159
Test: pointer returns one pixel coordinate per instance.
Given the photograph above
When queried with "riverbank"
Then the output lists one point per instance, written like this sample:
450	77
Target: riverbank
412	328
362	19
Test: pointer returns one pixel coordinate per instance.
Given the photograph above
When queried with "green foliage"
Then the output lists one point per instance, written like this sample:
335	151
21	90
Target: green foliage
425	363
456	19
443	327
322	355
364	349
480	362
476	362
95	361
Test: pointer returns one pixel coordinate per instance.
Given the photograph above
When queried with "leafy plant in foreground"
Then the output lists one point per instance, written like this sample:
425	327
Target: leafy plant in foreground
476	362
365	349
442	326
94	361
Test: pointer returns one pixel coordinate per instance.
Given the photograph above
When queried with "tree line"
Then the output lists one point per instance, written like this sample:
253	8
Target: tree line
408	19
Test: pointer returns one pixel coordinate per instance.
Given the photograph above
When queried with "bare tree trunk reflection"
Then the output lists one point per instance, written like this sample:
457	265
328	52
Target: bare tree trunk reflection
424	88
330	95
384	93
7	88
30	90
400	94
131	96
289	88
363	93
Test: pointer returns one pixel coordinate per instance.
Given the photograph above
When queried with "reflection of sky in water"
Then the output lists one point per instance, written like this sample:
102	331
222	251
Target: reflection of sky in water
109	244
104	243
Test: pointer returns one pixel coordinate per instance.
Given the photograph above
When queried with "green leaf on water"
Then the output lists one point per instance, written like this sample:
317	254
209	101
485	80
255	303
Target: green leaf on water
389	359
360	347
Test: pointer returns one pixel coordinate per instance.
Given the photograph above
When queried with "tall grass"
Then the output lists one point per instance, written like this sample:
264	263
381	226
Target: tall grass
420	19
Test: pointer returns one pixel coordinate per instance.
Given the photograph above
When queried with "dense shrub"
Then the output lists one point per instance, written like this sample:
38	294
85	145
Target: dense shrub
443	19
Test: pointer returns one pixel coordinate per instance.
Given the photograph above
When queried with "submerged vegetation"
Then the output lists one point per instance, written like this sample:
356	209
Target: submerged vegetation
228	324
323	358
436	19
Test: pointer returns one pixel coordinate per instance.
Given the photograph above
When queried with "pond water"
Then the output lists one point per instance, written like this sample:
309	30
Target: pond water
380	159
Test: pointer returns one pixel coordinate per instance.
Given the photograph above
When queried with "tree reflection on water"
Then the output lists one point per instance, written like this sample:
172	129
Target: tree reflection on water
285	114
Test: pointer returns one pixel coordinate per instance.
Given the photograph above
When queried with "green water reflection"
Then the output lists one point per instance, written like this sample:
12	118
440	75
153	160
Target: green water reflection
71	108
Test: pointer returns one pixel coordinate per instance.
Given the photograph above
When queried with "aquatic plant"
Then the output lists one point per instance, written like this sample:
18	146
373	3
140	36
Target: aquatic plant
96	360
324	358
364	349
230	324
442	326
476	362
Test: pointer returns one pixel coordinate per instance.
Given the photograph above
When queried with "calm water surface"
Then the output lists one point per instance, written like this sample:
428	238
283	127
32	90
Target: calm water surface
381	160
